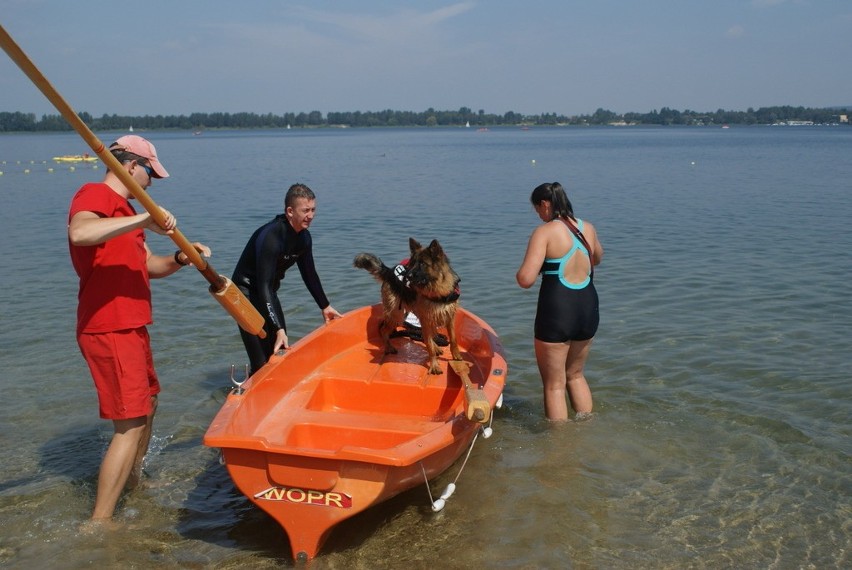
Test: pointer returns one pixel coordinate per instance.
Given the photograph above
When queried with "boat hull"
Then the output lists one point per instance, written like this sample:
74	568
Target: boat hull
335	426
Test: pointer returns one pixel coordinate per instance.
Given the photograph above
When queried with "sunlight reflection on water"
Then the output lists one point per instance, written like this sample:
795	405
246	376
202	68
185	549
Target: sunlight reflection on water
721	428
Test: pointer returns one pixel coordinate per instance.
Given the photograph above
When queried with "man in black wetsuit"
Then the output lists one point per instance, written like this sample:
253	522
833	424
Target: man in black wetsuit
273	248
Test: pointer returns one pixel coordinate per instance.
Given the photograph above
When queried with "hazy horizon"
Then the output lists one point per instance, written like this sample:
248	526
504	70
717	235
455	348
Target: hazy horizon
549	56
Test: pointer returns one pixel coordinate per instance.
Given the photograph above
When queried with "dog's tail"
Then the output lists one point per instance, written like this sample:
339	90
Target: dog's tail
374	265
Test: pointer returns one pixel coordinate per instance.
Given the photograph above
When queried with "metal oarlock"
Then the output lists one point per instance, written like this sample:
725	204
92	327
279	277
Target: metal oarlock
238	385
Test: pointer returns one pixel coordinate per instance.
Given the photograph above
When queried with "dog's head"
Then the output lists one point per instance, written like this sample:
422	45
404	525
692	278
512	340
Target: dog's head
429	269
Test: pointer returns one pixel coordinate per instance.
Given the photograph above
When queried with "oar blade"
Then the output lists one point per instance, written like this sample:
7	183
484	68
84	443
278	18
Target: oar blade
239	307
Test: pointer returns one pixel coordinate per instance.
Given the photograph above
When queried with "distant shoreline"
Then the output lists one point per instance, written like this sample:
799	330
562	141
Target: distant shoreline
438	127
463	117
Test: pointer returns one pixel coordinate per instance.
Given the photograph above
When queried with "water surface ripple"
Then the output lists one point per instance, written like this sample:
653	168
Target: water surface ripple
721	437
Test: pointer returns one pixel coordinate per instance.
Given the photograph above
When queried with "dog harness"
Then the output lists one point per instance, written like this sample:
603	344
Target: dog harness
401	272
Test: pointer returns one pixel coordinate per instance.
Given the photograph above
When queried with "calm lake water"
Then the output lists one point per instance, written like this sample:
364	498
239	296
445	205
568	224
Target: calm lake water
721	434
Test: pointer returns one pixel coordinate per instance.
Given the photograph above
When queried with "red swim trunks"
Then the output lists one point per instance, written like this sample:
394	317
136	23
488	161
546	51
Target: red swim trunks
122	367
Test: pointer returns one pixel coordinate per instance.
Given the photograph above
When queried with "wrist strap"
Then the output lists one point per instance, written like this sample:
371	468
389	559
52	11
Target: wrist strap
178	261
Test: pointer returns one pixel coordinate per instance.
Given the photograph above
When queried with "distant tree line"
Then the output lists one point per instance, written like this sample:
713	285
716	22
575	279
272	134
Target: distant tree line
15	121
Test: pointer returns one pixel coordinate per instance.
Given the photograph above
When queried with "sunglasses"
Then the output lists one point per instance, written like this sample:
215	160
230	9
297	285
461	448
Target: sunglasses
148	170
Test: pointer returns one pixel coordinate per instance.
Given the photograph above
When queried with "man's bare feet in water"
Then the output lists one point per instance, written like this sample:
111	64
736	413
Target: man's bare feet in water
133	479
137	475
98	526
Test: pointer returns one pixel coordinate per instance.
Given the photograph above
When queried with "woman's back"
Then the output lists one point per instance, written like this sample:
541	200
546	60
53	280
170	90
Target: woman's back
562	243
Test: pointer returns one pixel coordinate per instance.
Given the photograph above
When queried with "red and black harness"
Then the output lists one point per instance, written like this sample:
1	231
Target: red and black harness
401	273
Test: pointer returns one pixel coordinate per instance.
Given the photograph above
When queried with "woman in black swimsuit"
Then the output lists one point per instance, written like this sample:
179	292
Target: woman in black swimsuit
564	249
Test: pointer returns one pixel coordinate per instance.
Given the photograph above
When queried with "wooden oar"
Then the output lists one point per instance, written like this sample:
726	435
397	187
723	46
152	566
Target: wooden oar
478	408
222	289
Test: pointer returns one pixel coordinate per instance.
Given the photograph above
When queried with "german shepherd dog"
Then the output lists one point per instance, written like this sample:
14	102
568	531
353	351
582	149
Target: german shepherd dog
429	288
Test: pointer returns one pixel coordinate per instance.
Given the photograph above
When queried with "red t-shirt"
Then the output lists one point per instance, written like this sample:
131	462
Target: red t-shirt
115	291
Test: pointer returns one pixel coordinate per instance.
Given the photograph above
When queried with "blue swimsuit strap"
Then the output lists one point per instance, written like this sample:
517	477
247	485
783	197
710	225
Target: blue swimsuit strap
556	266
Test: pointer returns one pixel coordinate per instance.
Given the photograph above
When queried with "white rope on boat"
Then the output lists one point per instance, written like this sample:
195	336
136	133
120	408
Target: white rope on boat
487	431
439	503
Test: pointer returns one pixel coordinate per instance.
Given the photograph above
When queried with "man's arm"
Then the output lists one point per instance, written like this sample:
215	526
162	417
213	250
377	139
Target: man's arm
88	228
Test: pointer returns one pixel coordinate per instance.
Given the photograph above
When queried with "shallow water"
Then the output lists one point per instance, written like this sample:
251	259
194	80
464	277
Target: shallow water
721	434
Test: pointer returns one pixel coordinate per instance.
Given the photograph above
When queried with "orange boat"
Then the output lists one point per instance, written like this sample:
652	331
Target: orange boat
335	426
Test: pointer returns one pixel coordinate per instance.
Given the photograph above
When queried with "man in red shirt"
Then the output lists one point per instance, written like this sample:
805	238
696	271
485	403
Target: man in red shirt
107	244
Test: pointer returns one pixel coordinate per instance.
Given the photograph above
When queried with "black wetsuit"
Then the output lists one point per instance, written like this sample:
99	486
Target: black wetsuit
272	249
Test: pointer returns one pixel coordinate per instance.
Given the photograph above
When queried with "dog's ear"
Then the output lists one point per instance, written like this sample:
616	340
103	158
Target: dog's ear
436	249
414	245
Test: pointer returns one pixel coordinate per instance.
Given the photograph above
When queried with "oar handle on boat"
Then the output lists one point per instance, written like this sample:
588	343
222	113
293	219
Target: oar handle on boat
478	408
223	290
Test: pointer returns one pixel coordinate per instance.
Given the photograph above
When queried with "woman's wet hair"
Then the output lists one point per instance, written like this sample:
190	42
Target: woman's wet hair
297	191
555	194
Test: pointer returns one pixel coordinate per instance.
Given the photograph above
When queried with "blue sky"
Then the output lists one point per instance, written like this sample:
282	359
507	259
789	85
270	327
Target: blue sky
528	56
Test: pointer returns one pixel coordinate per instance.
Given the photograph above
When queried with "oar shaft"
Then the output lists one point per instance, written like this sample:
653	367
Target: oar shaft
223	290
43	85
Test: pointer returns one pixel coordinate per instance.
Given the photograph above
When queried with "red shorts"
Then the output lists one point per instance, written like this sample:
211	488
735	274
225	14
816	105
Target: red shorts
122	367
